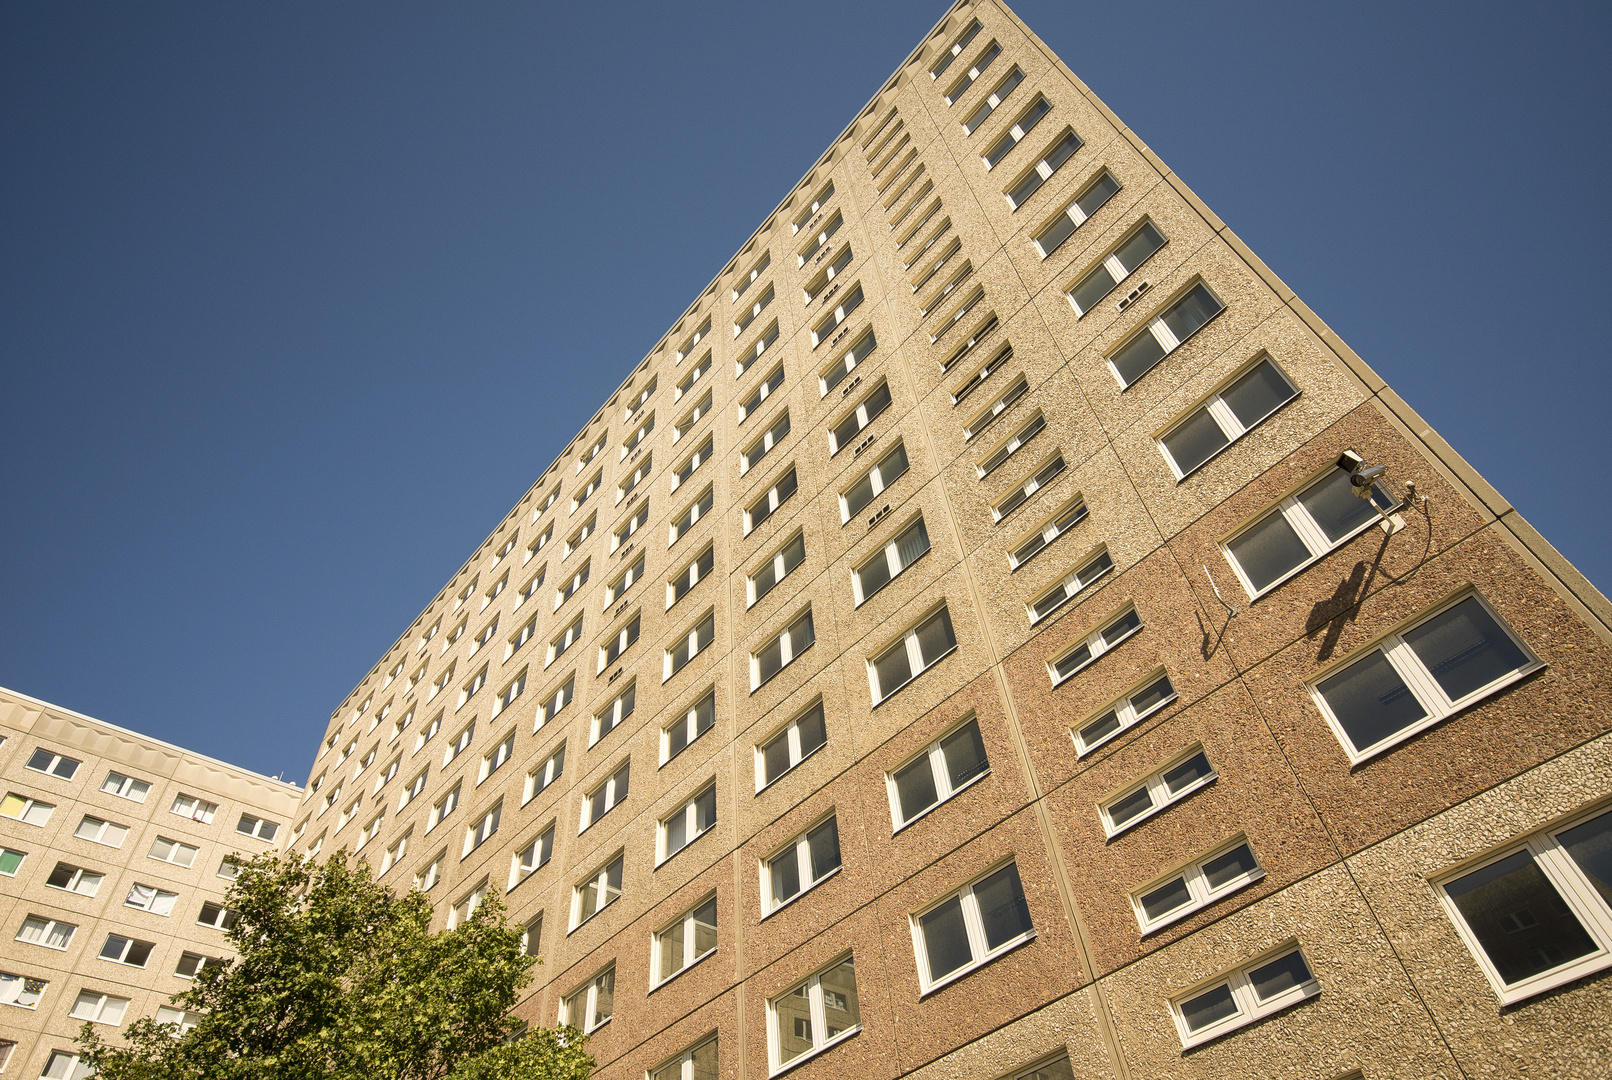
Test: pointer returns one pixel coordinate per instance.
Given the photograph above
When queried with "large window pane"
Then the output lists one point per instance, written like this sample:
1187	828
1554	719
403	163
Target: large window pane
841	1009
935	637
775	757
1590	845
1137	802
912	543
812	731
964	751
785	874
671	950
945	938
1253	397
1134	359
1281	974
794	1024
1166	898
915	788
824	844
1370	700
1191	312
1335	507
1195	441
1187	773
705	927
1465	649
1210	1008
1269	550
893	669
1002	907
1519	918
1236	863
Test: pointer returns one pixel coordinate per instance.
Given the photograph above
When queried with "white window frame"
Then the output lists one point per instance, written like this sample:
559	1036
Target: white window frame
689	640
915	662
1093	195
467	904
160	902
751	314
778	565
690	721
396	853
812	207
695	374
128	948
689	812
605	894
549	770
1249	1007
616	787
1045	171
259	828
824	277
531	858
574	584
28	809
630	527
47	927
691	464
1100	642
1035	425
946	58
622	706
757	350
1066	517
683	1063
974	926
847	362
695	571
764	444
497	756
790	732
561	643
198	809
819	1022
789	648
589	993
99	1008
640	433
1161	794
891	554
988	416
625	580
1125	711
878	482
1435	703
510	693
125	787
78	877
819	239
966	81
587	491
431	874
537	545
689	924
1116	269
860	417
53	762
483	828
799	845
639	475
761	510
934	757
1162	334
694	339
1027	120
103	831
691	515
554	703
414	789
1201	893
1044	475
836	318
987	108
443	807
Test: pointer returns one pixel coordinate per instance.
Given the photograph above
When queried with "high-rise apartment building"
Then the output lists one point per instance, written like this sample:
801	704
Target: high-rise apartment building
1001	631
115	854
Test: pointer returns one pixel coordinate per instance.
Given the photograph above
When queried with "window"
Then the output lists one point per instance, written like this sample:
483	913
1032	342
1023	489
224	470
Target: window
1460	654
1302	528
28	810
692	417
916	226
638	476
465	593
1086	652
11	861
640	433
425	639
908	547
1226	418
957	278
1021	127
691	514
567	638
401	723
691	464
412	792
122	950
774	570
619	642
624	581
971	927
419	673
690	576
946	58
1155	693
541	541
1244	996
1536	915
1164	333
74	879
821	279
51	933
191	963
967	347
545	774
872	483
62	1065
800	739
495	758
762	392
945	767
217	916
764	443
688	727
514	689
102	832
1158	790
1136	249
350	813
688	824
484	827
494	590
256	827
983	420
577	580
460	744
506	547
1032	427
534	856
690	645
467	905
801	864
693	340
764	341
367	760
813	207
588	489
817	241
484	636
125	787
589	1007
819	1013
985	108
743	322
331	796
1021	495
598	892
607	720
607	796
847	362
53	764
688	940
178	1020
396	853
774	656
430	874
1229	867
593	451
831	322
983	61
442	680
442	808
764	507
632	525
554	703
1069	515
918	650
695	375
22	992
698	1063
1062	149
1091	569
1091	199
866	411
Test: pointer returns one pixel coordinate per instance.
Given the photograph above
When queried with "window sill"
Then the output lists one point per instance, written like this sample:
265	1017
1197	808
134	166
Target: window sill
1181	477
673	977
1088	665
1140	375
969	969
692	841
926	811
769	914
597	912
810	1054
756	688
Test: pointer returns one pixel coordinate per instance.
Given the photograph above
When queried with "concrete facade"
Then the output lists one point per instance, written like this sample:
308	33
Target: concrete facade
121	838
1353	844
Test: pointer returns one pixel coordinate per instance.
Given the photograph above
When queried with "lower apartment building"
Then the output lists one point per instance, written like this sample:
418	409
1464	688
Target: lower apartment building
116	851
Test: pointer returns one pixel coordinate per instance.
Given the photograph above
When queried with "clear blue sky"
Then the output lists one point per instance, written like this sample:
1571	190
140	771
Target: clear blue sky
297	299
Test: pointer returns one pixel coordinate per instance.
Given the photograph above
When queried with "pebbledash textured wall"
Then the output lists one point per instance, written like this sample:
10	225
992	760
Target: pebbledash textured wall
1209	767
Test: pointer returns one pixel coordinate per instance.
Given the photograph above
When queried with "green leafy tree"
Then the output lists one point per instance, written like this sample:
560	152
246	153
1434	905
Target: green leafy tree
338	979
